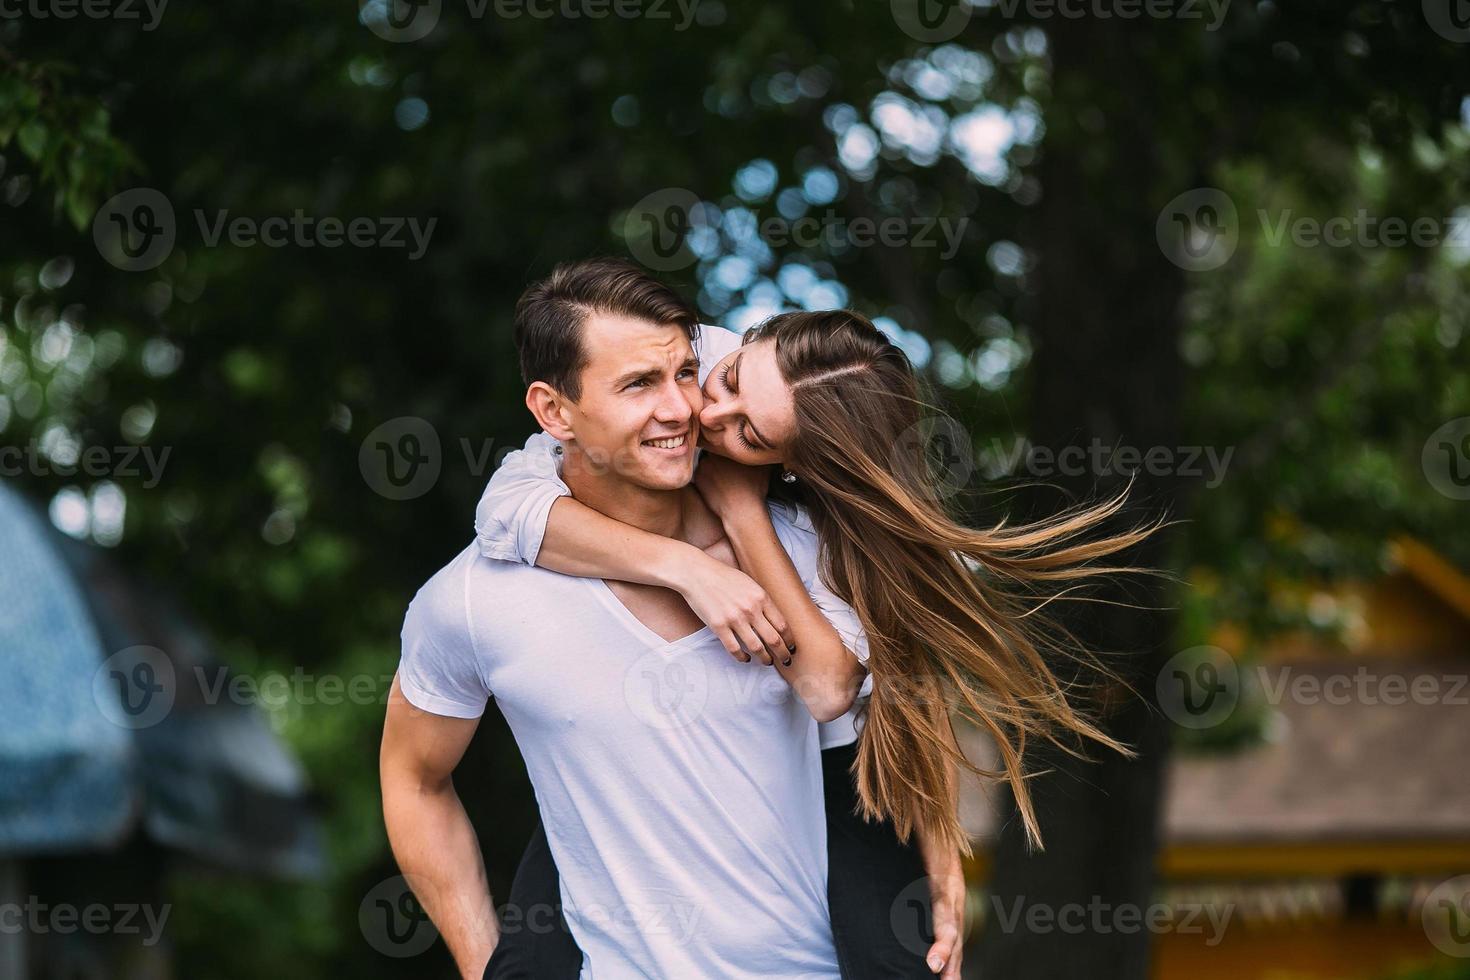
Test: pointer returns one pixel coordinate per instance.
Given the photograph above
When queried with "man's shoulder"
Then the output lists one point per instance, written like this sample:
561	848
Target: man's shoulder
469	577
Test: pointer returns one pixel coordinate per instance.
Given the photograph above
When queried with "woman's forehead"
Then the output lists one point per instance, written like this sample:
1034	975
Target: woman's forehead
766	395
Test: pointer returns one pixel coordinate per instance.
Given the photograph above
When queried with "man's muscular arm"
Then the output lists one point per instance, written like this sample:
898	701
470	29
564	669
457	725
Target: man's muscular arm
429	831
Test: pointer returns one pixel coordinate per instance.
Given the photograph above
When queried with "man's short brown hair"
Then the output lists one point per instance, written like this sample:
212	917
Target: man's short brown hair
551	313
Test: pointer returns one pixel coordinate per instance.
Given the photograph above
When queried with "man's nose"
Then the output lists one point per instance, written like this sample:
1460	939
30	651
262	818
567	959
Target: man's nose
673	405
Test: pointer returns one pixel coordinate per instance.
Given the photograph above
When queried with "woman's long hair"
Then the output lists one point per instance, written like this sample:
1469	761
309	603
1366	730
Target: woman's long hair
947	609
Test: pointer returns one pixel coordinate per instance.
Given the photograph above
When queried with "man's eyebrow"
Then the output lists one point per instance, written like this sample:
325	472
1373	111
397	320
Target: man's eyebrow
637	374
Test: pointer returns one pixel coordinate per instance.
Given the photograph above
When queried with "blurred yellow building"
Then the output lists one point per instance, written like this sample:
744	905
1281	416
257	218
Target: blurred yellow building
1340	844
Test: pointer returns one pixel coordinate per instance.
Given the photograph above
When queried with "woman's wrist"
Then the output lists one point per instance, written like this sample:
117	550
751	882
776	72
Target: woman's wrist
676	564
746	518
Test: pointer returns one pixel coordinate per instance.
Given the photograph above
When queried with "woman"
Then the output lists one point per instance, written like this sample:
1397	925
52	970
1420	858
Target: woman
946	610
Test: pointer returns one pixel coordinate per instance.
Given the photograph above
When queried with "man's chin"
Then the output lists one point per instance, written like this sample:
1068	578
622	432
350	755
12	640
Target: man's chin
675	480
669	476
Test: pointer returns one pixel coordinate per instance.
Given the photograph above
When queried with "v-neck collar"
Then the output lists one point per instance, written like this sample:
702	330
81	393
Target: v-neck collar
638	628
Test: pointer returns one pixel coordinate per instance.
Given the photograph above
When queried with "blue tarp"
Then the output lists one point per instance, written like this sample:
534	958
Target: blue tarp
207	776
67	774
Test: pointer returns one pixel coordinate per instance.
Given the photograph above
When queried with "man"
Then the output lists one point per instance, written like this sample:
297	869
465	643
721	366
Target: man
681	789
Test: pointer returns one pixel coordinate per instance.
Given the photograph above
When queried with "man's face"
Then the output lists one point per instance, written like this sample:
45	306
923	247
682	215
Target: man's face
638	414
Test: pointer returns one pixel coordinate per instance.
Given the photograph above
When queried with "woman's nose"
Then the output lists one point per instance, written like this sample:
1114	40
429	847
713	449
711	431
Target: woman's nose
715	412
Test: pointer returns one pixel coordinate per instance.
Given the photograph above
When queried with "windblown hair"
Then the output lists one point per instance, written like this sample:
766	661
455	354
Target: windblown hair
551	313
947	609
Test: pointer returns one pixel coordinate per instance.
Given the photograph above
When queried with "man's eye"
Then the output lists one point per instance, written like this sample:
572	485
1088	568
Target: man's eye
689	373
640	383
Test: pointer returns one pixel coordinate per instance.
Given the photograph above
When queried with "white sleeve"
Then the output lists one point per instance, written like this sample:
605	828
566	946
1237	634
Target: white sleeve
712	346
800	540
510	519
438	669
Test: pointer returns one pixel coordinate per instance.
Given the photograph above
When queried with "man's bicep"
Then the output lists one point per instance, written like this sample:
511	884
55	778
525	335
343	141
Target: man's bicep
420	744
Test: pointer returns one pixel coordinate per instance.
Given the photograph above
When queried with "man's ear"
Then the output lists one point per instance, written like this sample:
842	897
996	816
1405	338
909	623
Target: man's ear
550	408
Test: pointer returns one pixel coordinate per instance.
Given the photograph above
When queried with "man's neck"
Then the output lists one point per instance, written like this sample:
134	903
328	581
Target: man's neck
660	512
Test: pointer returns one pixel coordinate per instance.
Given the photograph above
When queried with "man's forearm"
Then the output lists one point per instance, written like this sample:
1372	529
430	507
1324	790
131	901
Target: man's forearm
439	855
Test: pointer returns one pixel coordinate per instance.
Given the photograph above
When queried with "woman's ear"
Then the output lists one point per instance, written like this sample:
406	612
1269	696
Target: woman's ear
550	410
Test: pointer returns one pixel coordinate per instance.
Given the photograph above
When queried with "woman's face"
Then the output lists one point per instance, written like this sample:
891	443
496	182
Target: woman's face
748	412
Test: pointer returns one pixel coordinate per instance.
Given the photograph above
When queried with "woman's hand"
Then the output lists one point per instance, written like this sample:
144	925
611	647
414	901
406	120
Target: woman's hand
946	874
947	898
737	610
731	488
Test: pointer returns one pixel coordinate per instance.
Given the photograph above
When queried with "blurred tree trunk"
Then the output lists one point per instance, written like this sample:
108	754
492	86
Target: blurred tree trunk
1106	370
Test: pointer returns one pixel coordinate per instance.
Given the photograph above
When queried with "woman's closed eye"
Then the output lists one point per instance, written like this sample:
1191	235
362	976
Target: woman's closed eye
740	435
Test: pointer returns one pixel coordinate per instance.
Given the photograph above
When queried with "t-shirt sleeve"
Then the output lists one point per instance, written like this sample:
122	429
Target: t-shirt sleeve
799	538
438	669
510	520
712	346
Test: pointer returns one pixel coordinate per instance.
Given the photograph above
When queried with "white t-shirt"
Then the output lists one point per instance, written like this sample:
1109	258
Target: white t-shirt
681	790
510	520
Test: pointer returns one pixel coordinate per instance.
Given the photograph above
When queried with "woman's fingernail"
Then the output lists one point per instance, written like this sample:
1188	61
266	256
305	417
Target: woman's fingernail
936	964
791	648
786	662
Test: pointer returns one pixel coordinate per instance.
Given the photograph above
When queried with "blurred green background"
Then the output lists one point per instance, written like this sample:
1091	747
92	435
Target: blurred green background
1120	191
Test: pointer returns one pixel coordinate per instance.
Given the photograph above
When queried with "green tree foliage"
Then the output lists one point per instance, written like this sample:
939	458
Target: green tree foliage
1049	145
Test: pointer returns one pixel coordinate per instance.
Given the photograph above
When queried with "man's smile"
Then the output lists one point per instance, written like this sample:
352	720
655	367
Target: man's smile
672	443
